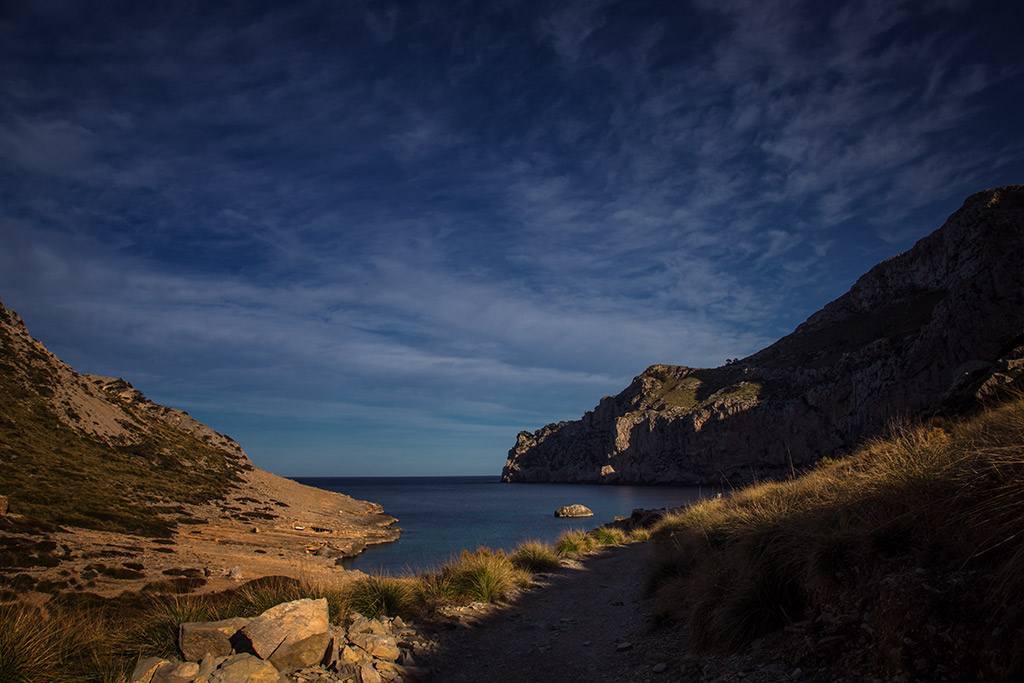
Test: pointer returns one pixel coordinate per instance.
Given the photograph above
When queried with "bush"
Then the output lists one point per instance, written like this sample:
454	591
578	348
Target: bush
574	544
156	632
608	536
534	556
483	576
382	595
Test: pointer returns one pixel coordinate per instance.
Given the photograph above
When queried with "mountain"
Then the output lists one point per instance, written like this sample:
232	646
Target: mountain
926	331
101	487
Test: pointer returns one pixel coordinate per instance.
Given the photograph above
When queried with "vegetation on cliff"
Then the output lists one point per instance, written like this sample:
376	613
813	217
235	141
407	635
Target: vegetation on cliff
56	472
916	540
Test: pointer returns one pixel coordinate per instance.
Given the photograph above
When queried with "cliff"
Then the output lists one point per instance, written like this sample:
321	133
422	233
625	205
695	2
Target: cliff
103	487
928	330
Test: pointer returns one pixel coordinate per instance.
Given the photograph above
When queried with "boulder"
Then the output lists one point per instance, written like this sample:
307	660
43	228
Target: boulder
291	635
198	639
574	511
245	668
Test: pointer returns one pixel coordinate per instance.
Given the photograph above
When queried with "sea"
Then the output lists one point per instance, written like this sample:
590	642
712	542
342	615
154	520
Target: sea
441	516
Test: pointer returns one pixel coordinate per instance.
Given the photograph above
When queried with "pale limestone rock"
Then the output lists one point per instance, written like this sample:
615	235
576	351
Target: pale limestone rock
198	639
176	672
379	646
146	668
291	635
245	668
574	511
364	625
368	674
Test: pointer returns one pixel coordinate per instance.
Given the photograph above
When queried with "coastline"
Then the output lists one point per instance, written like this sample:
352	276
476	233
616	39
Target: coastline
267	526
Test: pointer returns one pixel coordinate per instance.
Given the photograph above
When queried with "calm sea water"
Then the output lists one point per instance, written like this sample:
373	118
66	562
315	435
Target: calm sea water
440	516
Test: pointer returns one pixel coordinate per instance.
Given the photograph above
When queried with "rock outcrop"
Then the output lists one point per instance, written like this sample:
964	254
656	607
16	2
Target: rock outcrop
929	330
574	511
292	638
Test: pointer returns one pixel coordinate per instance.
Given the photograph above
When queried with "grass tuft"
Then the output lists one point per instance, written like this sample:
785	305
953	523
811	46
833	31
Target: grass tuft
484	575
378	595
534	557
574	544
608	536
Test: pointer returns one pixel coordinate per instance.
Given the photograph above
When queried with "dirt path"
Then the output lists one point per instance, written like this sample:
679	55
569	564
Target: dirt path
587	623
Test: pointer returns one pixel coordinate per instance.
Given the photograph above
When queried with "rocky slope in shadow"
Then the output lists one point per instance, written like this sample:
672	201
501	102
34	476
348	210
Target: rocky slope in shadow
928	330
103	489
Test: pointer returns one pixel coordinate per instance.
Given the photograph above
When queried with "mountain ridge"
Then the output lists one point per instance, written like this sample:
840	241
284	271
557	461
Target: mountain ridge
90	468
912	335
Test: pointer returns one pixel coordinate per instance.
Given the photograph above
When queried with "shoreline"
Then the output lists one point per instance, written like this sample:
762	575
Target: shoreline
267	526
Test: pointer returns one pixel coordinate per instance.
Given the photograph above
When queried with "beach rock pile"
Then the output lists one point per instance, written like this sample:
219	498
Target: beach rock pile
574	511
293	641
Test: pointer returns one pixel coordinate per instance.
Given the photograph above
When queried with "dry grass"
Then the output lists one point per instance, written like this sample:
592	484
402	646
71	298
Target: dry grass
945	498
535	557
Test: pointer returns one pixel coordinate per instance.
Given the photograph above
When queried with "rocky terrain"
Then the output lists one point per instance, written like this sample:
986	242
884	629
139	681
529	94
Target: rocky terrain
101	489
293	641
927	331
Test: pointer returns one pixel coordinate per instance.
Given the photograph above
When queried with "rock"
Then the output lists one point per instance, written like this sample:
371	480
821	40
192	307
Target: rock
574	511
245	668
379	646
146	668
198	639
923	332
622	647
412	673
363	625
176	672
291	635
235	574
367	674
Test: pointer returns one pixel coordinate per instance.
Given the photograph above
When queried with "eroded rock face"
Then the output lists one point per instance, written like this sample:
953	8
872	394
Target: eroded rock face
918	333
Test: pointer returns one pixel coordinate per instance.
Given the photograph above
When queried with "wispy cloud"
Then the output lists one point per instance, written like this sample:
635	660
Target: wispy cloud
476	216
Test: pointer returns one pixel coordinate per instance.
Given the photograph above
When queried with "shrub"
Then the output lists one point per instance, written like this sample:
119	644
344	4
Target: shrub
156	632
483	575
608	536
534	556
30	646
378	595
574	544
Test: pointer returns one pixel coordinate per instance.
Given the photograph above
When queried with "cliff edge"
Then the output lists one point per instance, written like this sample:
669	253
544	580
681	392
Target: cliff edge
931	329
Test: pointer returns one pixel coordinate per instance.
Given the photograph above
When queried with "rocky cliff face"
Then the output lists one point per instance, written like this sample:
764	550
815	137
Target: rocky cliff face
921	332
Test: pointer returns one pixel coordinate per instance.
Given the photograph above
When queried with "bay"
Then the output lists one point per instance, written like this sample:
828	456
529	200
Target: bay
441	516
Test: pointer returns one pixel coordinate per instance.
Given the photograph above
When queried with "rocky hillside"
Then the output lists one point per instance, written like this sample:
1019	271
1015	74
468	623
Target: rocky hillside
928	330
90	468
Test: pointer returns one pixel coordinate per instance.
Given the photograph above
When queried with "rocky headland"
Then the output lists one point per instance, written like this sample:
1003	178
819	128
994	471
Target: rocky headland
930	330
103	490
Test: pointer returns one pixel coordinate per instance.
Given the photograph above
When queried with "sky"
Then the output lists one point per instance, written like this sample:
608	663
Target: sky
377	238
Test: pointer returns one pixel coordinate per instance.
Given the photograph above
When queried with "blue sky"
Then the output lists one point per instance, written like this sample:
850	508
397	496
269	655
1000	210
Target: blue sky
383	238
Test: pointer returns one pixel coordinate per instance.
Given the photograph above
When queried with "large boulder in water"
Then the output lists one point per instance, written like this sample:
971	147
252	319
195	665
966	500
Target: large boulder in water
574	511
